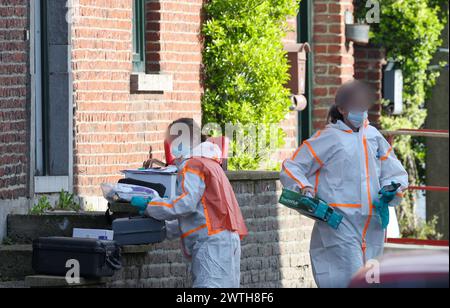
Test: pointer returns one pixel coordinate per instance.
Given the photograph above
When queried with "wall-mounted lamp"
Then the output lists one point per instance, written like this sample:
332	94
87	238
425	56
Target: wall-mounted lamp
297	56
299	103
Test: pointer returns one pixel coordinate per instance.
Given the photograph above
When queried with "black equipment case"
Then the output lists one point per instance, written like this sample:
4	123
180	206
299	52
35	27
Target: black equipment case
97	258
138	231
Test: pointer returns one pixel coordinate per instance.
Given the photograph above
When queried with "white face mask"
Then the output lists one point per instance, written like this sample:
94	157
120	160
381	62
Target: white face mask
357	118
180	150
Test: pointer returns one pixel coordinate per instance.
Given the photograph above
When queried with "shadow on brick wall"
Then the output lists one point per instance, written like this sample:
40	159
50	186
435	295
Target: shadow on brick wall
274	255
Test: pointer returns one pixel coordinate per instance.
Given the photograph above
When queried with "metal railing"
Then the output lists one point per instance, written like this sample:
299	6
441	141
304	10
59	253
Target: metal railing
428	133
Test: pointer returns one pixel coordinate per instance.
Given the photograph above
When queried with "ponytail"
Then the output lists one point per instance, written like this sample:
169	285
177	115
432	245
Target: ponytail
334	115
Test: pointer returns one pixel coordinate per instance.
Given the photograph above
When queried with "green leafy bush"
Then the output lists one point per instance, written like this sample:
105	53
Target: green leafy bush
66	202
41	207
410	31
246	69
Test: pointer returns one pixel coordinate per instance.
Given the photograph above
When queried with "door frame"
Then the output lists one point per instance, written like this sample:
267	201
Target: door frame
305	34
39	182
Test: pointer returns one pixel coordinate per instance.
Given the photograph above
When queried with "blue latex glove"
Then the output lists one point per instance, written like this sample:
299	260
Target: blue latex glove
140	203
385	196
388	193
382	208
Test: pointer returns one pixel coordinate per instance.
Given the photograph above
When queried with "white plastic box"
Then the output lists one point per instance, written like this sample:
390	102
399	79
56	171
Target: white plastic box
97	234
168	179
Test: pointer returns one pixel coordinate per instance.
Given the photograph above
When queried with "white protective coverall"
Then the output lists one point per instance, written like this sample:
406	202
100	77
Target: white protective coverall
216	253
347	170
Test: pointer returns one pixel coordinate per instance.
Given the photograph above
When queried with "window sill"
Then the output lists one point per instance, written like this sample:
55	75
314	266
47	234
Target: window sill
157	83
50	184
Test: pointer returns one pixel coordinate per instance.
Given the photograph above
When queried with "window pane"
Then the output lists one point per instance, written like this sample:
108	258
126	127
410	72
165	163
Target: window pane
139	35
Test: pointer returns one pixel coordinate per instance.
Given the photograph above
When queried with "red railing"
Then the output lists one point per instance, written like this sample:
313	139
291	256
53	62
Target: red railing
429	133
411	241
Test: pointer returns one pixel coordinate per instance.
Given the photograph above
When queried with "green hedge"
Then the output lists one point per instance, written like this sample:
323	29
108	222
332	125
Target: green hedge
246	69
410	31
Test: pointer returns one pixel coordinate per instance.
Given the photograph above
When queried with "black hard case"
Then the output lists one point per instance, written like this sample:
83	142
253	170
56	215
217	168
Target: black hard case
138	231
97	258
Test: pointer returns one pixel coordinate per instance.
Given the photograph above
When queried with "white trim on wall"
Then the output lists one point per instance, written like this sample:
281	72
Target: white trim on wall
51	184
32	53
45	184
142	82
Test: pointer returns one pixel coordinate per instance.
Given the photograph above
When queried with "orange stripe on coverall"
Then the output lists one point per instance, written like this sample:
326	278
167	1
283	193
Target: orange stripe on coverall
385	157
353	206
208	220
303	144
369	197
319	161
184	235
205	208
317	135
316	188
185	193
165	204
296	152
289	173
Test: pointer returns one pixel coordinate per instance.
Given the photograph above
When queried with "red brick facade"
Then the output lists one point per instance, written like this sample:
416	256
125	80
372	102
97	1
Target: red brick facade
14	145
289	126
369	62
333	56
113	125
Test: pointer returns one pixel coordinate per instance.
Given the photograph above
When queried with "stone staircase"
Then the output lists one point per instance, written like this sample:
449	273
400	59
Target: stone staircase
16	251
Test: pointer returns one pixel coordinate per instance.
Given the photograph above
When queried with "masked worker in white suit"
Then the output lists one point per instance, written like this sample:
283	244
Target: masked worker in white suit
347	164
205	212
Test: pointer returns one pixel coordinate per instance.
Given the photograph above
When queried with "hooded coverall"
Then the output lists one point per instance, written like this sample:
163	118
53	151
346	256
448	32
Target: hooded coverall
347	170
206	215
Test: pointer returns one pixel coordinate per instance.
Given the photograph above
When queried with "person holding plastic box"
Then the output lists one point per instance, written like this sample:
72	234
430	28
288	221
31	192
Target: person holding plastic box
205	212
352	167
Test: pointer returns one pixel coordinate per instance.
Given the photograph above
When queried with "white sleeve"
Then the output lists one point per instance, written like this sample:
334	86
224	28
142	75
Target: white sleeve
304	163
391	168
173	229
193	188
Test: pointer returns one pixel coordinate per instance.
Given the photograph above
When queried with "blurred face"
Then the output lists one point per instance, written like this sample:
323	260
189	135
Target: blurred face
179	136
355	109
358	102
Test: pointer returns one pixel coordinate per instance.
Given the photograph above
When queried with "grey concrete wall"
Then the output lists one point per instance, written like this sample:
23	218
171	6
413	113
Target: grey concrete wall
275	254
437	149
7	207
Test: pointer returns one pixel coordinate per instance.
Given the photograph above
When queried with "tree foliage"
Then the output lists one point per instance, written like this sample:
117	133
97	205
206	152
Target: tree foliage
246	69
410	31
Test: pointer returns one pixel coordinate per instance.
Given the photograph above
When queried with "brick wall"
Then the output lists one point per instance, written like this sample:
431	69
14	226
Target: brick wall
14	146
113	126
290	124
369	62
275	254
333	63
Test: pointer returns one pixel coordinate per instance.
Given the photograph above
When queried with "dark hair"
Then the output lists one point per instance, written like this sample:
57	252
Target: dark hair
334	115
194	129
346	93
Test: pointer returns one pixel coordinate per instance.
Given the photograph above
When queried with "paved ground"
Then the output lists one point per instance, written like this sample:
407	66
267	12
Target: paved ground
12	284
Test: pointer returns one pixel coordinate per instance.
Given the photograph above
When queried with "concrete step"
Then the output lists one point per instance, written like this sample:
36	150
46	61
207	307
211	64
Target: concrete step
15	263
13	285
23	229
43	281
